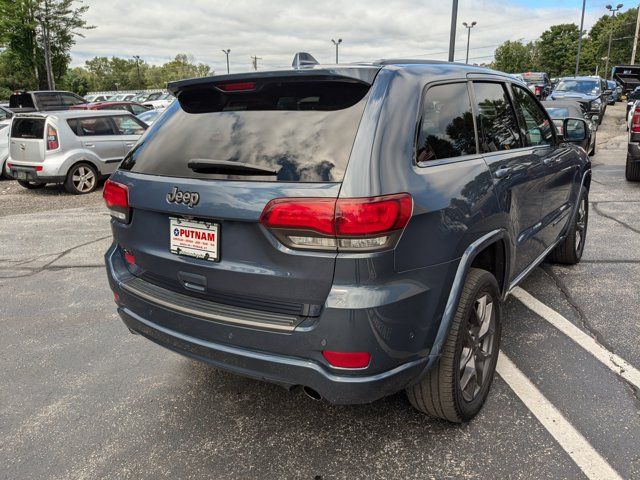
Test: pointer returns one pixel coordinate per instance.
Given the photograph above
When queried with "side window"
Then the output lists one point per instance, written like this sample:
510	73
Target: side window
90	127
446	128
128	125
48	101
536	125
68	100
496	118
137	109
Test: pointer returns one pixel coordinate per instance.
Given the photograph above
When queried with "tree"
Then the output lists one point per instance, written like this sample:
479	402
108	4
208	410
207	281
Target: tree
38	35
78	80
557	49
514	57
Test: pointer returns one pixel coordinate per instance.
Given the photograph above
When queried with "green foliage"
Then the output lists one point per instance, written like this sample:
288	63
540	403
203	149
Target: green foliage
514	57
555	51
31	28
122	74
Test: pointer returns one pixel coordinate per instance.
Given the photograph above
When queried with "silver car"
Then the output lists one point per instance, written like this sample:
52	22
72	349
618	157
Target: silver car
76	147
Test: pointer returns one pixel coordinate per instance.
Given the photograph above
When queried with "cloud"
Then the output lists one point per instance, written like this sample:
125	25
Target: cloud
275	29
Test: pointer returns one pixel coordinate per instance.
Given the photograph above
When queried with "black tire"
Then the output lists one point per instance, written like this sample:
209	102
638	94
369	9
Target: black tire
632	170
569	251
30	185
440	393
82	178
593	150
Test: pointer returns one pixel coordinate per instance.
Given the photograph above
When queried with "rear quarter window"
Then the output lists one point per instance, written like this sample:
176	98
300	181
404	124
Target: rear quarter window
28	128
303	130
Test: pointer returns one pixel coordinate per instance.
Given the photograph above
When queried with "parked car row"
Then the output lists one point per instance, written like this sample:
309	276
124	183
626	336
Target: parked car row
149	99
57	137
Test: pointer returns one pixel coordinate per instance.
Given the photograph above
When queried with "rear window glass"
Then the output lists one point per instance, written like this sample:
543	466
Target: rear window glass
303	131
558	112
21	100
28	128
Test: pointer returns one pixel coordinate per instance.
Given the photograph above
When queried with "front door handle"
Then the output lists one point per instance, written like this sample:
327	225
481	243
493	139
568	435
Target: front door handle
548	161
89	145
503	172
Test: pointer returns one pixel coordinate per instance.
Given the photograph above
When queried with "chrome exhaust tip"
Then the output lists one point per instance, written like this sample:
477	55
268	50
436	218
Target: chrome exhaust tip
311	393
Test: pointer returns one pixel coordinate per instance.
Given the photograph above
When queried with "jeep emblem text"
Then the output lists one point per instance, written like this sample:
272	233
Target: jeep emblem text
190	199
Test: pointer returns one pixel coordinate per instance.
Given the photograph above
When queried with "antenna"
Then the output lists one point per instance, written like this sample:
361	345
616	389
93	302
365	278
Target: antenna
303	59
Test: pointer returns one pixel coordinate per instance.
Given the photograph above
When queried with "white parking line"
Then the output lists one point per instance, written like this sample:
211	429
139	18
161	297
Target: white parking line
592	464
610	360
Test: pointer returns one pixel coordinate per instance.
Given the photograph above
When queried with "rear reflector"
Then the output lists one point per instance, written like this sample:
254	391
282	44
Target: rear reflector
237	86
129	258
347	224
116	196
347	359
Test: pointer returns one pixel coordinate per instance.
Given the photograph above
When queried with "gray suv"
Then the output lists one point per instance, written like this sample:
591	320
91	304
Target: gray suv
72	147
349	230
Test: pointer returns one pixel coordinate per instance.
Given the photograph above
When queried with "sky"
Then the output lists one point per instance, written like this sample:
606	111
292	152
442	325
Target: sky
275	29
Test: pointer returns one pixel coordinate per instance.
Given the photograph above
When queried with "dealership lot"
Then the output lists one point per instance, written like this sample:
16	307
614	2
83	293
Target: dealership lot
82	398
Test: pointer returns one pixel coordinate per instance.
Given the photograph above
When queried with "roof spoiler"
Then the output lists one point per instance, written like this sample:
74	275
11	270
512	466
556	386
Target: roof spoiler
302	60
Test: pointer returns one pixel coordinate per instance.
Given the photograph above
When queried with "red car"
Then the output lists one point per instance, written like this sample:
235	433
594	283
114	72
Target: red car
132	107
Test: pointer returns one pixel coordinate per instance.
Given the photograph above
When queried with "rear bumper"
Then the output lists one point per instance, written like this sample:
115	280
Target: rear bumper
27	172
279	369
395	340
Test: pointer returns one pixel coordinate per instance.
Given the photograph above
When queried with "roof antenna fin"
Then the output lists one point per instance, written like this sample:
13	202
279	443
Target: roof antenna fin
303	59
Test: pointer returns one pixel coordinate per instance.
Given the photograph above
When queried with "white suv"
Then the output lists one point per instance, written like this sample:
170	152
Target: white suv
73	147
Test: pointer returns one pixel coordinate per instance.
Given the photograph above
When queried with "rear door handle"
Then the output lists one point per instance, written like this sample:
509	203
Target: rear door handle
503	172
89	145
548	161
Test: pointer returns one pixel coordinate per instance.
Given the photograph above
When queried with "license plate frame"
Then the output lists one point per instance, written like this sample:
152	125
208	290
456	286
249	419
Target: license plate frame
192	238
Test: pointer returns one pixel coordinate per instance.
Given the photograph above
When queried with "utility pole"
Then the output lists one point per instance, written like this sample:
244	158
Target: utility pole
227	52
468	27
613	16
137	57
254	62
635	39
584	4
337	44
452	37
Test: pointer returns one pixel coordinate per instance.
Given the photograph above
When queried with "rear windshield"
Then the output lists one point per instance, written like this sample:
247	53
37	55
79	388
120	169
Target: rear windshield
28	128
558	112
21	100
304	131
531	78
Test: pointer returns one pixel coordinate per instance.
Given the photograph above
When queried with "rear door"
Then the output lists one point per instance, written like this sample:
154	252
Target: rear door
517	171
560	168
130	130
100	139
302	129
26	143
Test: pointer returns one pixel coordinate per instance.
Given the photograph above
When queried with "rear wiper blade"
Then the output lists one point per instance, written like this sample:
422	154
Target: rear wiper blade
202	165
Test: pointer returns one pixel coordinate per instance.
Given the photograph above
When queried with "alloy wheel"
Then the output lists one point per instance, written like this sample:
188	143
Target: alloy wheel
478	348
83	178
581	226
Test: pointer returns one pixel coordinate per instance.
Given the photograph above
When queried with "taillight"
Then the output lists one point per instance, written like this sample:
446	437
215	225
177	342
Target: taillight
347	359
116	197
635	121
346	224
538	91
52	138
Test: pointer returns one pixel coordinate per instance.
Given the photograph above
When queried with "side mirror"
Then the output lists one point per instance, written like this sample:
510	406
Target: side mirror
574	130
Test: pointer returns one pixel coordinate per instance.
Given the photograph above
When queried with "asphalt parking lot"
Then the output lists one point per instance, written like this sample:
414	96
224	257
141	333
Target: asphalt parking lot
81	398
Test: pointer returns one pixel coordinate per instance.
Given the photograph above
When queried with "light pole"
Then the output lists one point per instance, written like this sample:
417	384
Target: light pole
584	4
635	40
613	15
452	36
137	57
337	44
227	52
469	27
